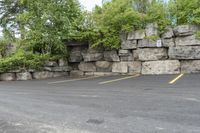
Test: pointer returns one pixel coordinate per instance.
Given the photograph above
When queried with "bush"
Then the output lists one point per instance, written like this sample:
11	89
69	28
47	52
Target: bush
23	61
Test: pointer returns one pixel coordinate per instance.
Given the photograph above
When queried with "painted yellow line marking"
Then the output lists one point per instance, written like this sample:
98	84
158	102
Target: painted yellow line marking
176	79
72	80
115	80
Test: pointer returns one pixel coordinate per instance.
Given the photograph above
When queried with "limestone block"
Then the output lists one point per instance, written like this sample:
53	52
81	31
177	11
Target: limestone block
184	52
42	75
8	76
120	67
111	56
135	67
129	44
185	30
24	76
151	54
147	43
168	42
161	67
168	34
87	67
190	66
103	66
90	56
187	41
127	58
136	35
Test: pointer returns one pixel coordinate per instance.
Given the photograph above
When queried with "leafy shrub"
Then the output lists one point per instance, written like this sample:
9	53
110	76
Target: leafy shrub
119	16
23	61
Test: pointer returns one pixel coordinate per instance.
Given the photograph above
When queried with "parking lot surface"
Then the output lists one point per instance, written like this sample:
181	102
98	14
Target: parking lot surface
110	104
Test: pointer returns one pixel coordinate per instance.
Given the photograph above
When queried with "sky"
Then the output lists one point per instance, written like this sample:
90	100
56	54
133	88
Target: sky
90	4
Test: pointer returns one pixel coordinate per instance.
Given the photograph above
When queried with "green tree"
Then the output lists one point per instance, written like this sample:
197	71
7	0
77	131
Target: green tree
42	24
119	16
113	18
185	11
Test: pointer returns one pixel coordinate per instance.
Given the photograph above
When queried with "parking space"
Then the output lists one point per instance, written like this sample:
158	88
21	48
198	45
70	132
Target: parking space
103	104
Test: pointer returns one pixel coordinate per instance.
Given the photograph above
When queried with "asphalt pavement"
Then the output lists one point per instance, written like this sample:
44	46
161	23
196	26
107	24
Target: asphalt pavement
110	104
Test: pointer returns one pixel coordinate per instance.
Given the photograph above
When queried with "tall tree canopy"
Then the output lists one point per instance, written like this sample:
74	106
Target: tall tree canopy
42	24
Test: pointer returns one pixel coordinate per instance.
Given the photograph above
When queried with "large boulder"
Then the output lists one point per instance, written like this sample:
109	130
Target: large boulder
129	44
42	75
185	30
184	52
24	76
127	67
151	29
136	35
148	43
190	66
8	76
111	56
187	41
161	67
120	67
168	42
135	67
103	66
92	55
150	54
87	67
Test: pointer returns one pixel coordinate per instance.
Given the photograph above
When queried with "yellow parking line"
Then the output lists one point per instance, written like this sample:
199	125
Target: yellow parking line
72	80
115	80
176	79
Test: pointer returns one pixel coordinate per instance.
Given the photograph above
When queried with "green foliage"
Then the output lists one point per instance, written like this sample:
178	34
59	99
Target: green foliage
185	11
112	19
42	24
158	12
154	38
23	61
120	16
198	34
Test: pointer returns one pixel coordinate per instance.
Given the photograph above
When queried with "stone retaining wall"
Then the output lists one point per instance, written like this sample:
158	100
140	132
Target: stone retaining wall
142	52
52	69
